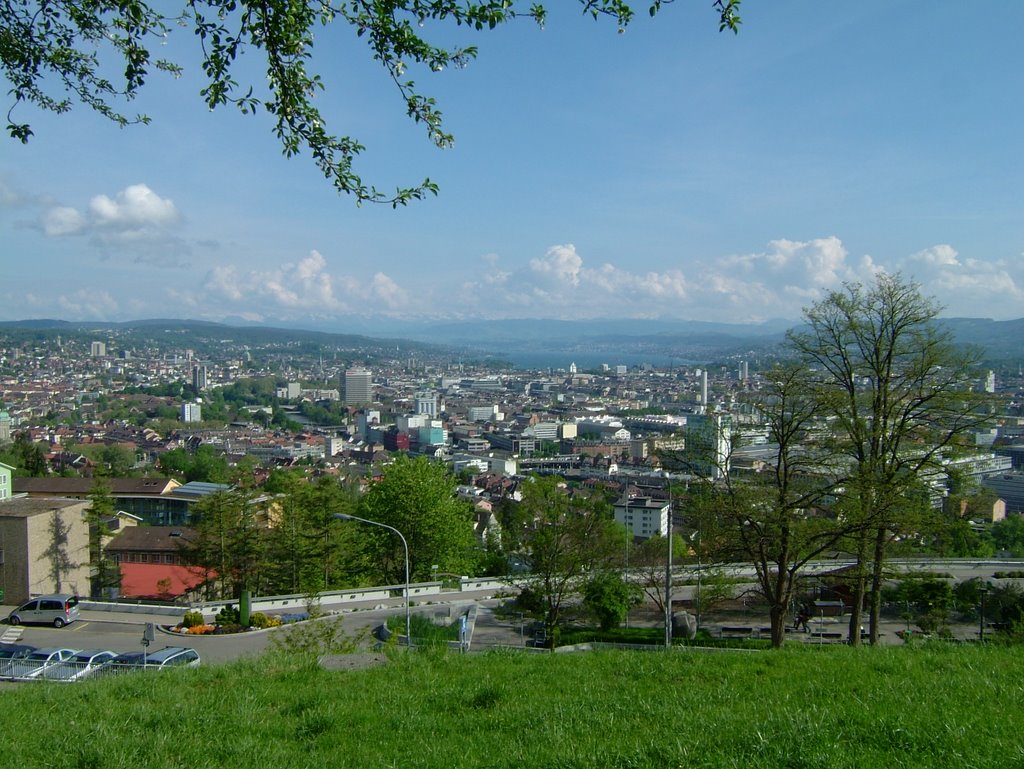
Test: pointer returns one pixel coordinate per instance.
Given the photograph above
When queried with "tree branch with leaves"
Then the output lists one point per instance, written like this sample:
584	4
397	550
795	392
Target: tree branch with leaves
56	53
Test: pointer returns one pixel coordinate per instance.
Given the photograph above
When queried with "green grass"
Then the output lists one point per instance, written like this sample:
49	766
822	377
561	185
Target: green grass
926	706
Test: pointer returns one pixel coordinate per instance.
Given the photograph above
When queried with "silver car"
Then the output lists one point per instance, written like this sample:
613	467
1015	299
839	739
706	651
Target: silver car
33	664
81	665
58	610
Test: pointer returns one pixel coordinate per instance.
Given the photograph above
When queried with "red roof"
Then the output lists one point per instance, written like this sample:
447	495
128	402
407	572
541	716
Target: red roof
139	580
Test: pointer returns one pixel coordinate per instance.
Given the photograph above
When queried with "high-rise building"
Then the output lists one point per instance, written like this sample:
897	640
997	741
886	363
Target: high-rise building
358	386
199	378
99	349
990	382
709	444
191	412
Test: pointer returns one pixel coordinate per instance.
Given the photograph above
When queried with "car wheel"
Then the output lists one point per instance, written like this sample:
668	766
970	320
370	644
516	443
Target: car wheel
14	620
58	622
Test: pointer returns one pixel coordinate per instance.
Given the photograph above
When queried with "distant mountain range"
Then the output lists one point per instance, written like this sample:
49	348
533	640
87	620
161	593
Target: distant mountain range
626	340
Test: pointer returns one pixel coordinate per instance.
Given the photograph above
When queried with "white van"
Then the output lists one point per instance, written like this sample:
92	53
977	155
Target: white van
57	610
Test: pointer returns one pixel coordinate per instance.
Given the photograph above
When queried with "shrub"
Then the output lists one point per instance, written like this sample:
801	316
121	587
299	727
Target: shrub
192	619
259	620
228	616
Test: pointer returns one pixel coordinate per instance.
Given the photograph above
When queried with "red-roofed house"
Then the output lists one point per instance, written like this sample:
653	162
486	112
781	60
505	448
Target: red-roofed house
151	563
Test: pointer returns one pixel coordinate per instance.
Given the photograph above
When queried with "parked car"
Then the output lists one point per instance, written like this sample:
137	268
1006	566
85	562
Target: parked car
122	663
34	662
173	657
9	652
81	665
58	610
162	659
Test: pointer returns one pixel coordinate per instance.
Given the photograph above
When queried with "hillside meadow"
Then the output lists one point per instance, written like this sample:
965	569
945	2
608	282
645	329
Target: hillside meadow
925	706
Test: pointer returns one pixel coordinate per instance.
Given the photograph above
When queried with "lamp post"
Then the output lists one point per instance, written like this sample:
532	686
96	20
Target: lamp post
695	537
982	589
405	545
668	571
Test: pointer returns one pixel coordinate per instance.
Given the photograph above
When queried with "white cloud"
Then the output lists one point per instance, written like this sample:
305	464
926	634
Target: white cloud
387	291
136	206
560	265
963	285
62	220
136	218
88	303
292	291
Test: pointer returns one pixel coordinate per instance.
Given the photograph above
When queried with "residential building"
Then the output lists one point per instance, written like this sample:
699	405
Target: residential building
98	350
5	481
152	562
643	517
37	535
191	412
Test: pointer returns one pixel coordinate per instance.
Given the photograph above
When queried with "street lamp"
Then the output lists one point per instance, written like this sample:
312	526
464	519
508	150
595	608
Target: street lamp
695	537
668	570
982	589
405	545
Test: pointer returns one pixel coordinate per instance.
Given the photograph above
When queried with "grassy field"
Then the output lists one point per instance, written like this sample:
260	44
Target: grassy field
926	706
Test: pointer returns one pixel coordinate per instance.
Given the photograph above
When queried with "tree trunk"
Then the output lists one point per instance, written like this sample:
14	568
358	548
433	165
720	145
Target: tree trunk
778	620
877	575
859	585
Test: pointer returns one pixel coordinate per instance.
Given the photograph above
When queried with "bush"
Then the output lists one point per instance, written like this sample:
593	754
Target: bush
259	620
229	615
192	619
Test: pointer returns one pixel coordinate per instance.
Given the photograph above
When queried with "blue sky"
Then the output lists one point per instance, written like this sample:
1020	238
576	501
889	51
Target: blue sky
670	171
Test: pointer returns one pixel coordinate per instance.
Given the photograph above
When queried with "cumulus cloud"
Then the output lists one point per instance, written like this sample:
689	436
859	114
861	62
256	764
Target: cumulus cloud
295	290
135	218
133	207
62	220
963	284
88	303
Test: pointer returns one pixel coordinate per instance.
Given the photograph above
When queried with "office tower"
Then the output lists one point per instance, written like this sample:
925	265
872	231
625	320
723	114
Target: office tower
199	378
358	386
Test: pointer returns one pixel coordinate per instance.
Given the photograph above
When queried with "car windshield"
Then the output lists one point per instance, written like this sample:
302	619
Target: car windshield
40	656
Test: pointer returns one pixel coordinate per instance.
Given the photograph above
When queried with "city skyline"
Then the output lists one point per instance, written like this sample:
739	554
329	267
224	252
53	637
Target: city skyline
670	171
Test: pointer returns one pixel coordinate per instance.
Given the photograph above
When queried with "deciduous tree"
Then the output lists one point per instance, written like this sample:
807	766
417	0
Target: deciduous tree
897	391
417	497
60	52
571	537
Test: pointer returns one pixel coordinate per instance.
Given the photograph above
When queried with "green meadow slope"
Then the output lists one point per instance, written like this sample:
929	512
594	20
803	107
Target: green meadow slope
927	706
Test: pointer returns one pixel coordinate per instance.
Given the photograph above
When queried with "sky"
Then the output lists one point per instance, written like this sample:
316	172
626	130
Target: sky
668	171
